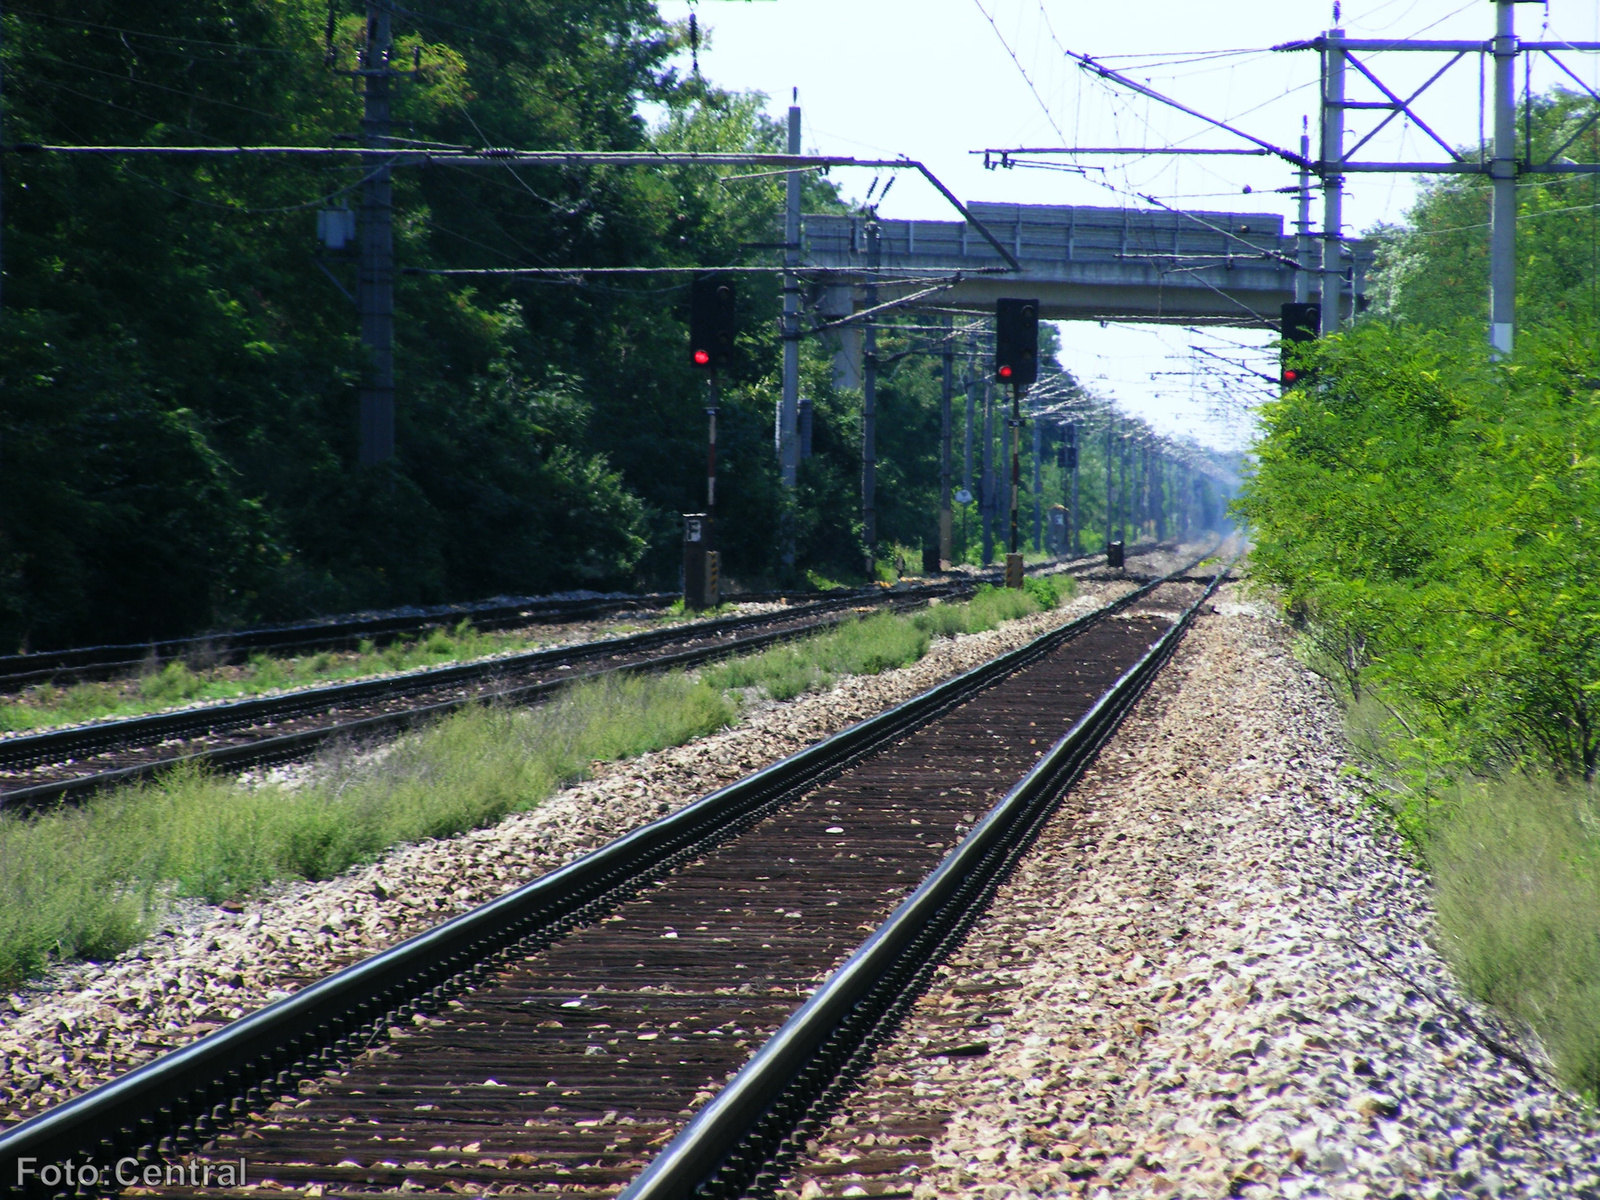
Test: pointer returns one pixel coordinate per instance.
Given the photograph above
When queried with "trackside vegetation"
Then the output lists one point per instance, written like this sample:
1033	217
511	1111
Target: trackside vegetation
178	683
180	365
1428	518
88	882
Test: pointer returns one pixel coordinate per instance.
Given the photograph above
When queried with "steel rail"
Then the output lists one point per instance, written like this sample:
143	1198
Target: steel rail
56	746
178	1101
83	662
796	1075
130	733
100	661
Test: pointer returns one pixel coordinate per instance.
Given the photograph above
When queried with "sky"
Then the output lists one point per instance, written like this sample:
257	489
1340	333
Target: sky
938	79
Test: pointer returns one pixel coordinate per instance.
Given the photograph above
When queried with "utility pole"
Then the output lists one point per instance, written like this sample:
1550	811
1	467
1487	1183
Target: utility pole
711	460
1161	498
1332	179
1184	506
1013	545
989	489
1072	511
1503	172
1111	423
966	448
1038	513
375	270
946	547
869	409
789	418
967	434
1302	277
1124	500
2	161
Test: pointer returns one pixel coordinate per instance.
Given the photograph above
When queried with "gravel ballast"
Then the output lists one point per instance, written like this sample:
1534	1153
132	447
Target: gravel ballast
89	1022
1211	977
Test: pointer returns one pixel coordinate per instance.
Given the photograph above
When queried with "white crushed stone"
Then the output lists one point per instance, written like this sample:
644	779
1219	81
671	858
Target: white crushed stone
89	1022
1211	978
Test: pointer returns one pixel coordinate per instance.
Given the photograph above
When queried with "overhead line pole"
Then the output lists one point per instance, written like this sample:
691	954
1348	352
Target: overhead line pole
375	237
1302	277
869	410
789	415
1503	173
2	159
1038	512
1111	424
1073	521
987	503
1332	157
947	391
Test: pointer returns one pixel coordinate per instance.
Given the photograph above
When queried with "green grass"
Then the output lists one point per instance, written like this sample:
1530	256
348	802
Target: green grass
89	881
1516	869
177	683
86	882
881	642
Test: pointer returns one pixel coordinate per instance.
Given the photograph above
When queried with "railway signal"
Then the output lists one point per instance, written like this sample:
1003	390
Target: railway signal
1016	341
712	327
1016	361
711	322
1300	323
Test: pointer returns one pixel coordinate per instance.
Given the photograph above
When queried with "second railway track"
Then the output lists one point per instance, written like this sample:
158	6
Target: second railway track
554	1041
62	763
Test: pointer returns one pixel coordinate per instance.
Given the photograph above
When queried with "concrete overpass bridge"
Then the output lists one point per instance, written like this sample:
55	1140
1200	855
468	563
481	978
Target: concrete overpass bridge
1084	263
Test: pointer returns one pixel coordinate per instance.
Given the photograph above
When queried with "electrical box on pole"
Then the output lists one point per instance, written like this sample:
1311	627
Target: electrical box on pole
336	227
1016	341
712	323
1300	323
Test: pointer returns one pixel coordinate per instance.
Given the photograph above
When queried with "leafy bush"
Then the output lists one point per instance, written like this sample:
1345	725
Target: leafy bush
1424	514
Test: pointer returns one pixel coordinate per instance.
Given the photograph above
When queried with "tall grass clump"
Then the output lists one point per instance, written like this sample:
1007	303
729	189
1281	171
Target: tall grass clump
881	642
1516	867
857	647
87	882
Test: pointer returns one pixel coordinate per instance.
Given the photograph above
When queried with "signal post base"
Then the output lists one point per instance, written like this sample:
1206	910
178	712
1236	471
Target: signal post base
1014	571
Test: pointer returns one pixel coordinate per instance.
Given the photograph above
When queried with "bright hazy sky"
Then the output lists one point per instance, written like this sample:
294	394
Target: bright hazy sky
935	79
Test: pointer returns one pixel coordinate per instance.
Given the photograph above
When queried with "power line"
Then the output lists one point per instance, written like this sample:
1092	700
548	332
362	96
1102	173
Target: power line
1021	70
125	32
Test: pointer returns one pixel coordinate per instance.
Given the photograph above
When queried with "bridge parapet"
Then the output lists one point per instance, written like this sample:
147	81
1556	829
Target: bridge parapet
1088	263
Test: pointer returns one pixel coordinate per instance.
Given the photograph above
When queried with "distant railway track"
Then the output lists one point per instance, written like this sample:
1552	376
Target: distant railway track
560	1039
103	662
79	664
64	763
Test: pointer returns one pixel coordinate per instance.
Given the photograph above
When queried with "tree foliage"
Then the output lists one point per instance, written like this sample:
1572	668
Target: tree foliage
178	364
1428	513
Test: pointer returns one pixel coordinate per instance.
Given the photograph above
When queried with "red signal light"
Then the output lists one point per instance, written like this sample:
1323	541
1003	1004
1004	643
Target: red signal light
701	358
1004	372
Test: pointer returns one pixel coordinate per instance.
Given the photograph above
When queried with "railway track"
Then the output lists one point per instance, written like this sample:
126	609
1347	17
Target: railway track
103	662
579	1030
82	663
65	763
68	763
